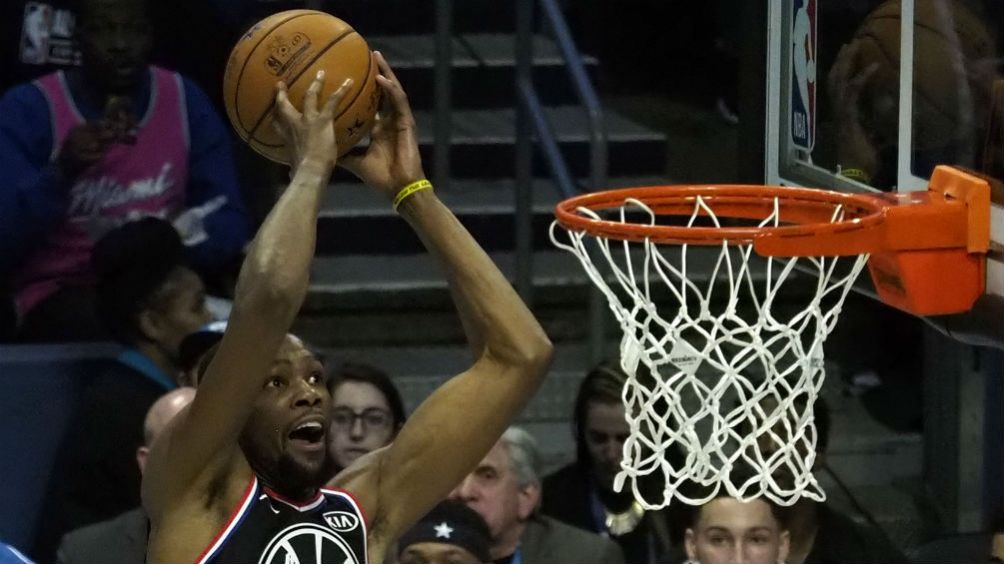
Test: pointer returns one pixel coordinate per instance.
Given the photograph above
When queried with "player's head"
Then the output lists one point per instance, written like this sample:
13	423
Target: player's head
367	411
504	488
285	439
599	422
451	533
115	38
147	296
726	530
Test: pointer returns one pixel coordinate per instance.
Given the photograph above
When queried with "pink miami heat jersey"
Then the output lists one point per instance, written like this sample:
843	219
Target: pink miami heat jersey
266	528
147	178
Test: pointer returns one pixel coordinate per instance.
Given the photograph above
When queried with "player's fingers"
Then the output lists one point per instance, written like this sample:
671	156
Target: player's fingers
336	98
384	67
283	106
310	96
397	100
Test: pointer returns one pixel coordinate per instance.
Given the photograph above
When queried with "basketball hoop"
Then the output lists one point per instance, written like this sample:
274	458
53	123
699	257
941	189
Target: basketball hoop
722	372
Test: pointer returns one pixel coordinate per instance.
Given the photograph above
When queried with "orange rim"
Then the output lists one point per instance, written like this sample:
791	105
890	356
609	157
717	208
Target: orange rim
805	213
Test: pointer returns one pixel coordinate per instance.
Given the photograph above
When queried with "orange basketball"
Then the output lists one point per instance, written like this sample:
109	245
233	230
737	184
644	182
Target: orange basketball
292	46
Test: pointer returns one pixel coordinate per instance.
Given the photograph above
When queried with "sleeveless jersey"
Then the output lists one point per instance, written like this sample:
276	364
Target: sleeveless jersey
130	182
267	528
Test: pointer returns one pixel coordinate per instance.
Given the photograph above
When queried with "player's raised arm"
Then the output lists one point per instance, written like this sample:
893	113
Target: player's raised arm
453	429
202	442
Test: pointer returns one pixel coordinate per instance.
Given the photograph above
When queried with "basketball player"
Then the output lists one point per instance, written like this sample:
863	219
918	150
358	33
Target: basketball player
235	478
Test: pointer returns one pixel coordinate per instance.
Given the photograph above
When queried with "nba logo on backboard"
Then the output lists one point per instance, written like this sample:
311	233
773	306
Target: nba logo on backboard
803	74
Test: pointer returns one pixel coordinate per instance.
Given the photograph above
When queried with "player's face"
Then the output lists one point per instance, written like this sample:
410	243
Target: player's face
606	429
361	421
436	553
729	531
285	441
115	41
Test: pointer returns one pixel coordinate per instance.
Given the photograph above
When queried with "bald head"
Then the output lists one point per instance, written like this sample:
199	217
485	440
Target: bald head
163	410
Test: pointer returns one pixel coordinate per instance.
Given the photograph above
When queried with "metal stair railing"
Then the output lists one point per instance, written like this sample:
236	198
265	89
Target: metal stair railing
531	121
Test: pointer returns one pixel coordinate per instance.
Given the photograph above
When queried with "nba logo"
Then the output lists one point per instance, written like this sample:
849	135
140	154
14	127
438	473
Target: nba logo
803	74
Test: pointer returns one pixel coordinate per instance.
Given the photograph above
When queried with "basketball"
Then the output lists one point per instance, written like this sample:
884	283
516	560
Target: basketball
292	46
949	43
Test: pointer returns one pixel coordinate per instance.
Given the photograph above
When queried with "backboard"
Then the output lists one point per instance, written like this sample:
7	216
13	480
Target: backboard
870	96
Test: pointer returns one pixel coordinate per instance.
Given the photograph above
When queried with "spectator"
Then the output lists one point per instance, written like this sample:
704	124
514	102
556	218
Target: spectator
451	533
123	539
367	412
149	301
726	530
89	148
505	490
582	493
822	535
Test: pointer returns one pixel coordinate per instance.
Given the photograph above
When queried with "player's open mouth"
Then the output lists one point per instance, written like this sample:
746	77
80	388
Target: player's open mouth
308	435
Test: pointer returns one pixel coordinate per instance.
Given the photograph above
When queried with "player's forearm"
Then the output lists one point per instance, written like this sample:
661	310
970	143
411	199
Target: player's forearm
496	319
276	271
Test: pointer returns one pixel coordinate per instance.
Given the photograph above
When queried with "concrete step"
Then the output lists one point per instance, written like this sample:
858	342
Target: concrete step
485	207
413	16
482	144
483	73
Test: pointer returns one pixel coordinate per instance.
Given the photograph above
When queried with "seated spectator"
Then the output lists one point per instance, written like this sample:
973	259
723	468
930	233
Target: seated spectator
505	490
89	148
451	533
726	530
149	300
581	494
367	412
123	539
822	535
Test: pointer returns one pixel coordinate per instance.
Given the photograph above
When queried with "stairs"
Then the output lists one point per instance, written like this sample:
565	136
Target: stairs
373	284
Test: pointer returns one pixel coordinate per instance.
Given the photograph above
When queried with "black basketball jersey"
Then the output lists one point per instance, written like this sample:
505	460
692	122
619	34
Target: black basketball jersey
266	528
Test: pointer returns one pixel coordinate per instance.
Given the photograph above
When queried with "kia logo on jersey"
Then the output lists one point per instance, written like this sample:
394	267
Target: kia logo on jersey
341	521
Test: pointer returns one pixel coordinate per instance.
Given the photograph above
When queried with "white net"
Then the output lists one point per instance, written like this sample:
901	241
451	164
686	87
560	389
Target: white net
720	388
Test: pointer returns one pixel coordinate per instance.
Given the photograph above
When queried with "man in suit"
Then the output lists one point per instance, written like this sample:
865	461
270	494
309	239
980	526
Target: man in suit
123	539
505	490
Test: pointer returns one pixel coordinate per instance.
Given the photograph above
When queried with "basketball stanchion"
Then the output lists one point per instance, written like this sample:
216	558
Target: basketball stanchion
725	375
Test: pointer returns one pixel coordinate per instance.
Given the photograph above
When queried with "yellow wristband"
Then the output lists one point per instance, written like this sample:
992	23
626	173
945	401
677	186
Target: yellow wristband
855	174
416	186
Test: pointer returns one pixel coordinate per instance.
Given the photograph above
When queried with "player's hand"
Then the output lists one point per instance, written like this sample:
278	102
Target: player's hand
392	160
309	135
845	83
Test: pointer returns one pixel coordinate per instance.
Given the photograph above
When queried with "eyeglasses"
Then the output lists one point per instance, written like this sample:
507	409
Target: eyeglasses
344	418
